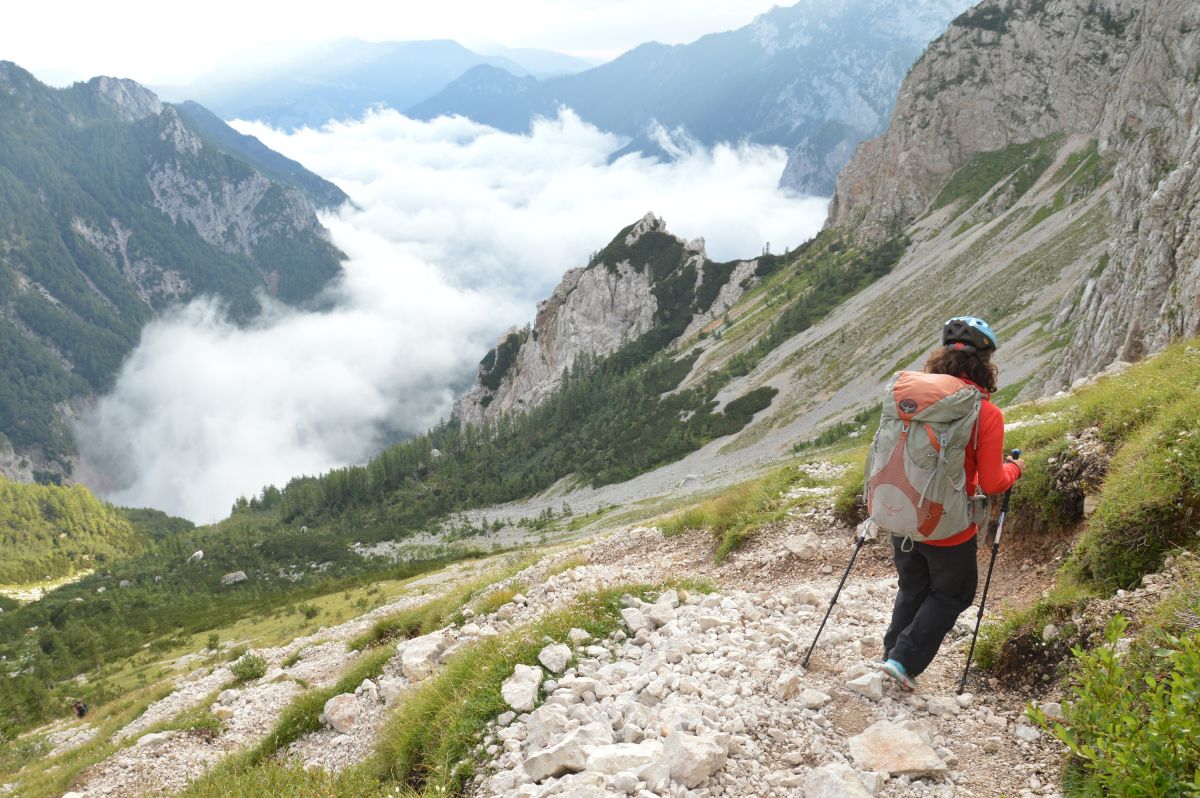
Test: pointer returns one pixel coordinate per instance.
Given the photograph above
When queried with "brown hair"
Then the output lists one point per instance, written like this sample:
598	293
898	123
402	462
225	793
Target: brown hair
974	366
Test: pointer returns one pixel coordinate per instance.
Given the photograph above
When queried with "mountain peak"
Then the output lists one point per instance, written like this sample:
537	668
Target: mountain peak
130	98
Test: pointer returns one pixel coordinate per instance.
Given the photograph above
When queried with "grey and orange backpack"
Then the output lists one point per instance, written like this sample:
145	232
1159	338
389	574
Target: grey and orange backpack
915	480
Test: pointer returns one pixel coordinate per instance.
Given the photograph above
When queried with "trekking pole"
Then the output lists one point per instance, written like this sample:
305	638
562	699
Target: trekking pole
862	536
1016	455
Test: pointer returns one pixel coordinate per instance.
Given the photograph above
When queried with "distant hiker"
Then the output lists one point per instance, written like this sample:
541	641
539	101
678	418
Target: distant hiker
940	439
80	709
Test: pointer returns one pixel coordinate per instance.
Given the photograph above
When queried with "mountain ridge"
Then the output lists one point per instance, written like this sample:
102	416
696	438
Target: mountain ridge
810	77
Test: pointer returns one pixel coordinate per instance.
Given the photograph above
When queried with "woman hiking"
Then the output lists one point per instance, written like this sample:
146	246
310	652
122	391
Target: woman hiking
921	488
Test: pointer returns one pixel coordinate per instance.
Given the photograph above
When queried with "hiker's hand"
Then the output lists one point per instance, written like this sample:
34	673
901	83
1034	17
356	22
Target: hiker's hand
1020	464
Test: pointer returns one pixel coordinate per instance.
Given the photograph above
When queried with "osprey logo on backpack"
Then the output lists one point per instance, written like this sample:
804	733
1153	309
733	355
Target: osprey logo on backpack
915	484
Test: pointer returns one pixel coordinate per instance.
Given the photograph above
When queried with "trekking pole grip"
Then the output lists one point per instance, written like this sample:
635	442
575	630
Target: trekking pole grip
1016	455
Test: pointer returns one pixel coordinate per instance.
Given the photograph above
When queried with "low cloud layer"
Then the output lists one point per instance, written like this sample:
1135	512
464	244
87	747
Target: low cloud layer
459	230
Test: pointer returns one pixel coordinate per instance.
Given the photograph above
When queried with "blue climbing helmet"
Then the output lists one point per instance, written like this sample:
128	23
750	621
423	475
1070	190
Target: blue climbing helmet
970	334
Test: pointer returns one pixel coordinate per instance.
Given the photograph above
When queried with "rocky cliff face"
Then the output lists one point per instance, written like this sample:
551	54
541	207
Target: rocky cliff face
112	208
1011	72
597	309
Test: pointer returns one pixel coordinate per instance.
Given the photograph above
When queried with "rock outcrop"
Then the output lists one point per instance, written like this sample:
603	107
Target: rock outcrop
597	309
1010	72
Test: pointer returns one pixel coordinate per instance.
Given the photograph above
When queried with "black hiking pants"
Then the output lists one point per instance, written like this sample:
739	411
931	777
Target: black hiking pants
936	584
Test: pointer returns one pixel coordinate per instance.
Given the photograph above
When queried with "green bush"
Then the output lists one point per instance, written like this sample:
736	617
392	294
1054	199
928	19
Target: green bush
1132	726
248	667
848	504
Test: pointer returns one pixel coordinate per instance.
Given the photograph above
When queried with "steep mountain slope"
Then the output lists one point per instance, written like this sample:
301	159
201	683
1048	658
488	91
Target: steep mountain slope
337	80
818	77
253	152
112	208
1125	74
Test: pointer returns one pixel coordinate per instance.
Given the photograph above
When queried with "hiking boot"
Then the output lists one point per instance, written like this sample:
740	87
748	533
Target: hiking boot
896	670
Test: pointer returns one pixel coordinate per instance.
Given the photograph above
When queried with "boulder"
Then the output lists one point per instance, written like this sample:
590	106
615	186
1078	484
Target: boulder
154	739
341	712
634	619
707	622
692	758
660	614
520	691
813	699
869	685
578	636
546	725
892	748
786	686
942	706
233	577
834	781
390	689
567	756
668	597
804	547
555	657
196	557
613	759
420	656
806	595
1026	733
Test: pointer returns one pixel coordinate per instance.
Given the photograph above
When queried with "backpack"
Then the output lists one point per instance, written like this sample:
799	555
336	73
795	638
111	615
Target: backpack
915	480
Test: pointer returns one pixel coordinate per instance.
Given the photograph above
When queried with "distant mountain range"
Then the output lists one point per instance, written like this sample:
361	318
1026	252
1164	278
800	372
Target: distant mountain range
344	78
113	206
817	77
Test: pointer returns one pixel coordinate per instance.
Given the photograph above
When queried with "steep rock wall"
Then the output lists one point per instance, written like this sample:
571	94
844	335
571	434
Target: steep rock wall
1014	71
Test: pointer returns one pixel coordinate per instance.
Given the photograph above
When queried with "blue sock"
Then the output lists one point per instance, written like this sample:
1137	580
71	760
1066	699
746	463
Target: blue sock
897	665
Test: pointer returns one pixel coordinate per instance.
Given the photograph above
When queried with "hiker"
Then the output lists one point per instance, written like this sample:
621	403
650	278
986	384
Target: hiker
80	709
923	488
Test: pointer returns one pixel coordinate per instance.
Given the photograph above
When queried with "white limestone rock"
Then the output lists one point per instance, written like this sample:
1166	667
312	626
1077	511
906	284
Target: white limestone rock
342	713
834	781
618	757
805	547
892	748
869	685
634	619
520	691
555	657
419	657
693	759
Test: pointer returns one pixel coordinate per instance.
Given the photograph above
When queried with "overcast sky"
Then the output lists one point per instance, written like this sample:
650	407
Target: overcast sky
170	43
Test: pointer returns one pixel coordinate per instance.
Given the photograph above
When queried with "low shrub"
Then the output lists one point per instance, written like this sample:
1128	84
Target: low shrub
848	504
248	667
1131	725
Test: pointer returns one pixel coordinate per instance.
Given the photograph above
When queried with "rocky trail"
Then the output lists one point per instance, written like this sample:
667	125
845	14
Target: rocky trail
697	695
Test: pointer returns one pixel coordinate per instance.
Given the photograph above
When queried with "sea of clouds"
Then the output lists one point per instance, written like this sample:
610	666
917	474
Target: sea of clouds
455	233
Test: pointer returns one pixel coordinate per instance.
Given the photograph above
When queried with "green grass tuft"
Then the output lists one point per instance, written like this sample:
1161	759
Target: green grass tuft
736	514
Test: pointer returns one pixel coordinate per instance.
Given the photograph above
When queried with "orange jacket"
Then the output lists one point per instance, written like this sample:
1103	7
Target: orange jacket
984	463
